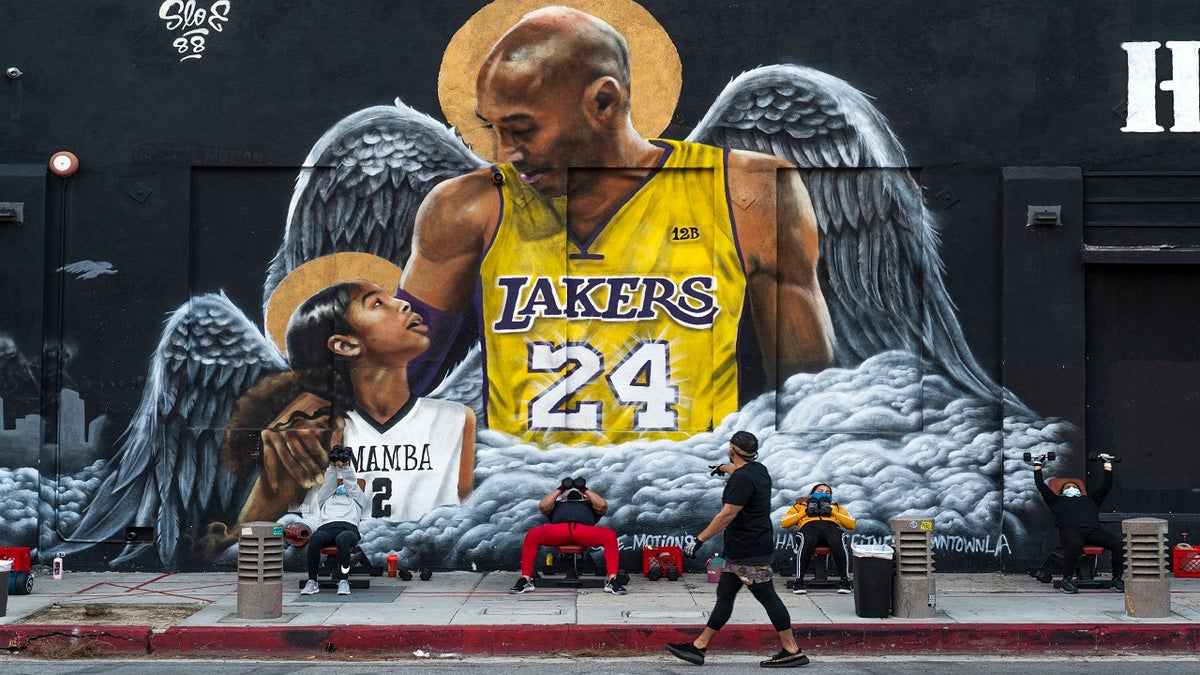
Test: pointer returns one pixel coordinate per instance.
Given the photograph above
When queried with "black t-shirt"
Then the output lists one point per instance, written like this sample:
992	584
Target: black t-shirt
751	534
574	511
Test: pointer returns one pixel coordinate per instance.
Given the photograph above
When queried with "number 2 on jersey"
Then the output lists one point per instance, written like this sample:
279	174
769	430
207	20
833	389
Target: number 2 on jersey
642	379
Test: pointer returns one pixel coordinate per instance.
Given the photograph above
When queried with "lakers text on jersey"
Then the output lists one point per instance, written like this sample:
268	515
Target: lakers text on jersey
629	334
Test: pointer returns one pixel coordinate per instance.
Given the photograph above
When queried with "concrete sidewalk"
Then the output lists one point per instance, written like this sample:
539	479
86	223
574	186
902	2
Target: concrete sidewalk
473	613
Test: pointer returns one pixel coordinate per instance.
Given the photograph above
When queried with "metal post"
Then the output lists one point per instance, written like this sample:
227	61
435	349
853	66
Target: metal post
1147	588
913	594
260	570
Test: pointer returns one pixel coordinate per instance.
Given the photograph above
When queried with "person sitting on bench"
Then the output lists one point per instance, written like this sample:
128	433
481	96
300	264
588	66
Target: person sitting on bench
818	519
337	506
573	510
1078	522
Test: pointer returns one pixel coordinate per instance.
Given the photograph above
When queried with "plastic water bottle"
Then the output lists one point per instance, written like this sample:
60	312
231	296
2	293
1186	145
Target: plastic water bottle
714	567
58	567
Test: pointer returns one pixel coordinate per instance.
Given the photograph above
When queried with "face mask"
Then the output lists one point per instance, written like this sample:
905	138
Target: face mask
341	490
821	495
1072	492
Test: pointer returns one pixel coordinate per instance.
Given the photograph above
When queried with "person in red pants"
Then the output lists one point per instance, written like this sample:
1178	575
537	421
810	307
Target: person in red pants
573	510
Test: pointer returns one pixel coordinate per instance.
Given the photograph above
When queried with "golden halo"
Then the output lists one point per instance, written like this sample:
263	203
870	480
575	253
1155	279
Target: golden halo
304	281
656	72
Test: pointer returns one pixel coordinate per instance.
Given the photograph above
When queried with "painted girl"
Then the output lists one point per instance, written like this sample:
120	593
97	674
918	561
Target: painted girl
350	344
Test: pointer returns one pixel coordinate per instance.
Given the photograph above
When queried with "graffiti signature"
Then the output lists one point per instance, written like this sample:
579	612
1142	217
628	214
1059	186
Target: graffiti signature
195	22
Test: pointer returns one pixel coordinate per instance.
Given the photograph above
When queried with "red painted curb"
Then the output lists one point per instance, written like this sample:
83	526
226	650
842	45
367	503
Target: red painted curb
891	638
77	641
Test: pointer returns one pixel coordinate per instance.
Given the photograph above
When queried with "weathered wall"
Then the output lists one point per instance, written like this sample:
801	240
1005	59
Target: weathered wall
188	165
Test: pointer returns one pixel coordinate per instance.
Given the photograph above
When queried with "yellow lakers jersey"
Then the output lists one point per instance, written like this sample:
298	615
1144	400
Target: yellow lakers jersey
630	334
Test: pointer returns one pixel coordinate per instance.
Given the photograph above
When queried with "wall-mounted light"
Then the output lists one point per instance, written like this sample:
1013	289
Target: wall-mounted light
64	163
1043	216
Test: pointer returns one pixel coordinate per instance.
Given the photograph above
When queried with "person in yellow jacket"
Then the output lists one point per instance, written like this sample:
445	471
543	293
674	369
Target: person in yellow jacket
818	519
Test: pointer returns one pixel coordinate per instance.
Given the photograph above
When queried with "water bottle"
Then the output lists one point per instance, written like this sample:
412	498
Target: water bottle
58	567
714	567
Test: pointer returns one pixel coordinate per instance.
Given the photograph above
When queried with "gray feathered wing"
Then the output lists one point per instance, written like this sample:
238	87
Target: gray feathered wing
167	473
361	186
879	266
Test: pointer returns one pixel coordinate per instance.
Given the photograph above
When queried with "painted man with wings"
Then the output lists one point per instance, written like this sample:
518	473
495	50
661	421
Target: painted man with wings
605	316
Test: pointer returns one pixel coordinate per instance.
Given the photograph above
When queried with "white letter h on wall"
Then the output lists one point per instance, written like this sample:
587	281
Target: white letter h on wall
1141	115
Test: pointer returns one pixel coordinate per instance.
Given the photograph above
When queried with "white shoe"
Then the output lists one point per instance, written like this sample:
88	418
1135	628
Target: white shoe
343	587
311	588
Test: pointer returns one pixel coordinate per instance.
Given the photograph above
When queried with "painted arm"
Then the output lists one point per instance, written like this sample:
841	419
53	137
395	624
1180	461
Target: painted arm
778	234
466	465
452	227
439	277
290	436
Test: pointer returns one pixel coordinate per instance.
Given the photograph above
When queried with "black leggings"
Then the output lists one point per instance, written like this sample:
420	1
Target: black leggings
764	592
1072	541
344	535
829	533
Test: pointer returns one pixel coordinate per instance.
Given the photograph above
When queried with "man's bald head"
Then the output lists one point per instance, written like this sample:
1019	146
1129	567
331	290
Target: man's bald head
559	45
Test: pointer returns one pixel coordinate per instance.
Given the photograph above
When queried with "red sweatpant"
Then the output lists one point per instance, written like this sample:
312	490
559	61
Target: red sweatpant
558	534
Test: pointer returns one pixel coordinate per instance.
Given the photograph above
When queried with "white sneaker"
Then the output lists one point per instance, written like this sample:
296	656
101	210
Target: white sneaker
343	587
311	588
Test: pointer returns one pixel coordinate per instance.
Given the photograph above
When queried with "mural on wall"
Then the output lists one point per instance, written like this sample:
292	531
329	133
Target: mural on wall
628	354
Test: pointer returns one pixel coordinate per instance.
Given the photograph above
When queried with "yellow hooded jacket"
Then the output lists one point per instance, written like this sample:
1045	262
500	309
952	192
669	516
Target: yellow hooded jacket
798	517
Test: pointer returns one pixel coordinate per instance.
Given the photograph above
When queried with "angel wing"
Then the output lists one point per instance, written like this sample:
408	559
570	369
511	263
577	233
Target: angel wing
168	472
879	266
362	184
88	269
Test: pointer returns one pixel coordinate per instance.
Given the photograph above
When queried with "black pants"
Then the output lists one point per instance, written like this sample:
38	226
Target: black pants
829	533
344	535
1073	539
764	593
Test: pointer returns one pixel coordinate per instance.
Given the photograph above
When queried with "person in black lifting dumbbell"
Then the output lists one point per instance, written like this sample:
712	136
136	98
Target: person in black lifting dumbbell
1078	520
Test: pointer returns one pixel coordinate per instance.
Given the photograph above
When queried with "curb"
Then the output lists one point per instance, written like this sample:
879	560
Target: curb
898	638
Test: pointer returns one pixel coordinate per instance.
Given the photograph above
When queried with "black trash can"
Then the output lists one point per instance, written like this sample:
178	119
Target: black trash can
5	573
872	567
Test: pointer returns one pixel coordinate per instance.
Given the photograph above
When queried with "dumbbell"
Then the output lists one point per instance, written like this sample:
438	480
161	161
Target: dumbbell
1050	456
579	483
1104	457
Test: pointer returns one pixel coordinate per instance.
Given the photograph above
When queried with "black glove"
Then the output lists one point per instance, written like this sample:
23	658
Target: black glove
691	548
716	470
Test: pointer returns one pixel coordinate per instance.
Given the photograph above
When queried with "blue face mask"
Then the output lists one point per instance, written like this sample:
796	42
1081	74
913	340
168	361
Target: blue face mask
821	495
341	490
1071	492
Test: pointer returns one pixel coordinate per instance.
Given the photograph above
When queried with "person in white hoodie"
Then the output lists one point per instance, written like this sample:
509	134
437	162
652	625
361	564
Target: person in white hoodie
338	508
